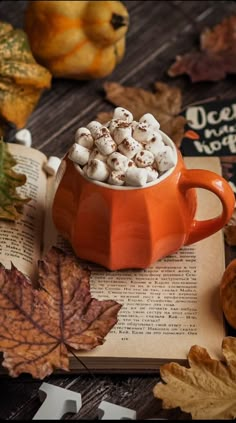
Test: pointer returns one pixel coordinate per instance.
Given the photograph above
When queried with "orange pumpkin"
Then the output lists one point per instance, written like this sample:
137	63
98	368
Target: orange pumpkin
228	293
77	39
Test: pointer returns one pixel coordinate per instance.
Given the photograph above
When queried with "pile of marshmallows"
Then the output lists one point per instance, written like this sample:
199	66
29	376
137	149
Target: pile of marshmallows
123	152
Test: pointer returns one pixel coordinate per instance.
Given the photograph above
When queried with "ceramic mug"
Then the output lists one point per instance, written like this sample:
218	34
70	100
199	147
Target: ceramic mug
132	227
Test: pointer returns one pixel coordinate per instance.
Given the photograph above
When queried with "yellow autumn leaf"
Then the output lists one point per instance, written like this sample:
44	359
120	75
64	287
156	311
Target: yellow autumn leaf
11	201
207	389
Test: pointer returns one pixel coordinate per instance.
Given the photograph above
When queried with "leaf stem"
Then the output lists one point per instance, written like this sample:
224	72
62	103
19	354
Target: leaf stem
80	361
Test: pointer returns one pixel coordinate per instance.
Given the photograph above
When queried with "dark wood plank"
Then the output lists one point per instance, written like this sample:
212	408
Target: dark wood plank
75	103
159	30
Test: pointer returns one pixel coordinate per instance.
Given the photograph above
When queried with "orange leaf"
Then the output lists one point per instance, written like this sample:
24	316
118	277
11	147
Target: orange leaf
39	326
164	104
217	55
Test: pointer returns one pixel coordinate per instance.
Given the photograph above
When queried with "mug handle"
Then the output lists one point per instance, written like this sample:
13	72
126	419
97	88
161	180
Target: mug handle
198	178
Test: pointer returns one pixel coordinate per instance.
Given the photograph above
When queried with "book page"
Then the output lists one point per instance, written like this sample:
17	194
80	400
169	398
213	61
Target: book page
20	241
172	305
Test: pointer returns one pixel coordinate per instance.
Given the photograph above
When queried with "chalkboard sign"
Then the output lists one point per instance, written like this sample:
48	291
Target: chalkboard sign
211	129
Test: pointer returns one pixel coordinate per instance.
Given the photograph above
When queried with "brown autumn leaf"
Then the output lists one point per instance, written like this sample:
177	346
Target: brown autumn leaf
216	57
39	326
164	103
207	389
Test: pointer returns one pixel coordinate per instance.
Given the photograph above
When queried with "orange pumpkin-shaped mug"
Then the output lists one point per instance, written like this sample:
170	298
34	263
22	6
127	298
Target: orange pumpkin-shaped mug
129	227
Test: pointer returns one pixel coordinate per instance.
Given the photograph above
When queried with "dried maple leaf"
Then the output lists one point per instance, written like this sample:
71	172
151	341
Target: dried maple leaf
217	55
10	201
104	117
22	80
207	390
165	104
39	326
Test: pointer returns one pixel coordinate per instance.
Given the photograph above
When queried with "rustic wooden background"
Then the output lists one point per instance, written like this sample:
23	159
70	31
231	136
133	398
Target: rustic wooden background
159	30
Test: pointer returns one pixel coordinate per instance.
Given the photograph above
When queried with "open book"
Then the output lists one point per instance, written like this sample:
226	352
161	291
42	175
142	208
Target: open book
167	308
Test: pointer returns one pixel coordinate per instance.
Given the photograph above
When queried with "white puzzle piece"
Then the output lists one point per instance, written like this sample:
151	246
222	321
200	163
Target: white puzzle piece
109	411
58	402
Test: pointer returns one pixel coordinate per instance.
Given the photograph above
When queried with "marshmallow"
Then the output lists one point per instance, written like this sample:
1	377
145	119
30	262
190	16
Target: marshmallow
23	136
152	174
93	127
135	177
134	124
156	137
155	145
84	137
122	131
117	161
123	151
131	164
112	125
144	158
97	170
79	154
95	154
104	142
122	114
129	147
116	177
150	121
143	132
52	165
165	159
103	131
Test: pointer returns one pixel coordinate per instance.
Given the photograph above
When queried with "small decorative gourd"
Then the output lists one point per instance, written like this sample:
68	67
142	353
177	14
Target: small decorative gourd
77	39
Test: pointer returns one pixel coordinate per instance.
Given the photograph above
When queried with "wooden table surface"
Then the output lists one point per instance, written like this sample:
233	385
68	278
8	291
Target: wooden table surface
159	30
